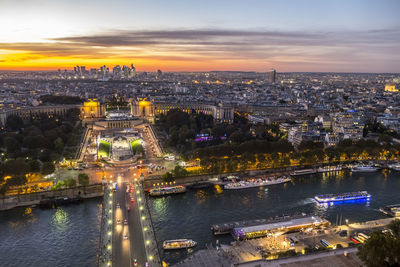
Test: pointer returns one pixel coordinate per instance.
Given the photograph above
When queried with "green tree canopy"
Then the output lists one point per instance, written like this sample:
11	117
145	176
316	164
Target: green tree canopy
11	144
382	249
14	122
83	179
48	168
34	166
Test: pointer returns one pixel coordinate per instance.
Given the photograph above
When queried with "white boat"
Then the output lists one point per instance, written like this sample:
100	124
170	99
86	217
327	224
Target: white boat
362	168
179	244
303	172
330	168
256	183
395	167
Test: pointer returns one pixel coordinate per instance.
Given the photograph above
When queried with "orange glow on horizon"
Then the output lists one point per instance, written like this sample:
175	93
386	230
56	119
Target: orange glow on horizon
25	61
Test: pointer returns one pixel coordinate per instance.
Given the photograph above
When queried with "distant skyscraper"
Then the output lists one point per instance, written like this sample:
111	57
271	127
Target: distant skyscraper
272	76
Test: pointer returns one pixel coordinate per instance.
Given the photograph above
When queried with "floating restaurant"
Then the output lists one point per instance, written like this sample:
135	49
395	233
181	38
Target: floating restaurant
283	226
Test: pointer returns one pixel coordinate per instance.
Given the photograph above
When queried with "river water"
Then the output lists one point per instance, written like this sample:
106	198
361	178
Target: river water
191	215
66	236
69	235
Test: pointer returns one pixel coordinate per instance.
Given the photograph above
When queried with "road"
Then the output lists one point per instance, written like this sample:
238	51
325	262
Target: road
126	250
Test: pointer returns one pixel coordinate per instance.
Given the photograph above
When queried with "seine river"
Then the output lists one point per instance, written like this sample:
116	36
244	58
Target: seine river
191	215
68	236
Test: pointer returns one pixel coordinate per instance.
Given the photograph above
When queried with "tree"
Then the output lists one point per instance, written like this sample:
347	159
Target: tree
70	182
12	145
382	249
48	168
16	167
83	179
34	166
3	189
59	145
14	122
168	177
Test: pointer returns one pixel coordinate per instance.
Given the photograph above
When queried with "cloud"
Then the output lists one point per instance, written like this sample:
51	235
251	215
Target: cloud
277	47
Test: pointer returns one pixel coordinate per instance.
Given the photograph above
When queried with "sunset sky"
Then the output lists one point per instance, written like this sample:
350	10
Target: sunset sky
189	35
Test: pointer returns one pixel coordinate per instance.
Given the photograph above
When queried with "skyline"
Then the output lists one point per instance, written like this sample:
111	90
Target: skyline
311	36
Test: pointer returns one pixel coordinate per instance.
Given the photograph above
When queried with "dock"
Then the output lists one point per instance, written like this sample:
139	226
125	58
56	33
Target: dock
391	210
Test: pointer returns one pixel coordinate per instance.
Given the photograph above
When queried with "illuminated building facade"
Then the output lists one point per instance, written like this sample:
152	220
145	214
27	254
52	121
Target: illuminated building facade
391	88
92	109
27	113
148	109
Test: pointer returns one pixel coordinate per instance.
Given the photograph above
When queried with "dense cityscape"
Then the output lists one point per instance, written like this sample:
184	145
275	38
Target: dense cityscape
270	139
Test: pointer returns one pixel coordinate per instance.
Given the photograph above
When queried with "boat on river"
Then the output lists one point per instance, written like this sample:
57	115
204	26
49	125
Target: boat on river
256	182
178	244
330	168
303	172
395	167
161	191
343	197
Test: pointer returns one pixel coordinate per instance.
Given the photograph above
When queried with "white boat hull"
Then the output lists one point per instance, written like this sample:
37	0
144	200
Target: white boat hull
227	187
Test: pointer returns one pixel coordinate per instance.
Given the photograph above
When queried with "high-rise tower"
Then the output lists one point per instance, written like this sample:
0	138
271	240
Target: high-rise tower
272	76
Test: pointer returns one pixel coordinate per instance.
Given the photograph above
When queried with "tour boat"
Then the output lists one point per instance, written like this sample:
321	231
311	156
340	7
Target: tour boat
167	190
256	183
330	168
364	168
341	197
179	244
303	172
395	167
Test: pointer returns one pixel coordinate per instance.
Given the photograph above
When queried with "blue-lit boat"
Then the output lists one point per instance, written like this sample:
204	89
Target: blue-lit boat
342	197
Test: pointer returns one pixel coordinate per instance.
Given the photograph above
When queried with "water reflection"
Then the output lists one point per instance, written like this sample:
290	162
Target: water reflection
262	192
201	196
60	220
28	212
159	206
218	189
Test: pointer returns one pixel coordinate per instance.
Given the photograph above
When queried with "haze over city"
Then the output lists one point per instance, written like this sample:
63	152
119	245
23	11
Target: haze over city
290	35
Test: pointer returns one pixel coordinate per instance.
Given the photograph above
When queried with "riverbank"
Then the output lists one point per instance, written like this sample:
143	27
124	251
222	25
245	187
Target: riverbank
90	191
152	181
